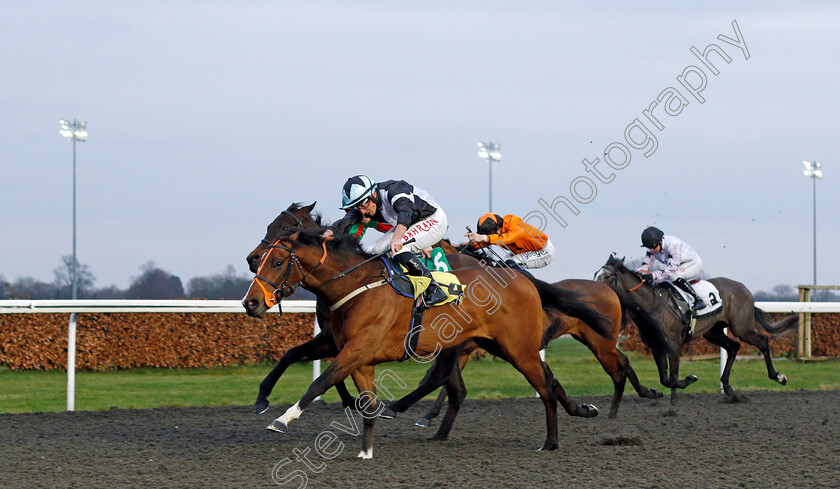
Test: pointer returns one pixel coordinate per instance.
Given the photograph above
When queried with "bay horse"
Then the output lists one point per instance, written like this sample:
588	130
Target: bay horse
370	327
557	324
738	313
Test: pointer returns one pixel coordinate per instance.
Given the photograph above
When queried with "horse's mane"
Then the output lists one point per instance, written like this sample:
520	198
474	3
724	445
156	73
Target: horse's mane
650	329
340	243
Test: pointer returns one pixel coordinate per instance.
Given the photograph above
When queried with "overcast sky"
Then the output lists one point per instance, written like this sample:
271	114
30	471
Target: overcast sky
206	119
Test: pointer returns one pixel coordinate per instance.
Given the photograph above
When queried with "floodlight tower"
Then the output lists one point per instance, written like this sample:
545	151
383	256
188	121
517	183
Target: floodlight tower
74	131
812	169
490	152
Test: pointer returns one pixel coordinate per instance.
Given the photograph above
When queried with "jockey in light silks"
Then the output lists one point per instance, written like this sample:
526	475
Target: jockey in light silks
525	245
682	263
409	211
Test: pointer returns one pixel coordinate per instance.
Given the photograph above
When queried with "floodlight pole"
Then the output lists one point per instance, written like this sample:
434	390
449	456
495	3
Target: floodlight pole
490	152
74	272
813	171
814	181
74	131
489	185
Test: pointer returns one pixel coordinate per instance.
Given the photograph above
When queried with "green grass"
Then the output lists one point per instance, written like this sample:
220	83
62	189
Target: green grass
575	367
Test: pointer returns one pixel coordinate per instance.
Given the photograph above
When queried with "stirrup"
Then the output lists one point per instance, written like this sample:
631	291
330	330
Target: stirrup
434	294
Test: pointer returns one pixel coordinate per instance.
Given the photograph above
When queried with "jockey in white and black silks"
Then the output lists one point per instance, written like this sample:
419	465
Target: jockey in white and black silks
681	262
411	211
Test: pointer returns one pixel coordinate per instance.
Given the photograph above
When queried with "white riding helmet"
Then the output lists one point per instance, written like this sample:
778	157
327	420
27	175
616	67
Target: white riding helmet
356	190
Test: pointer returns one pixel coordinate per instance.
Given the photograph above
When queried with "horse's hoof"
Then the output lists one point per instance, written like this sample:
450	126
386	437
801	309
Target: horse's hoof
655	394
387	413
692	378
439	438
782	379
423	423
590	410
548	447
366	454
260	407
277	426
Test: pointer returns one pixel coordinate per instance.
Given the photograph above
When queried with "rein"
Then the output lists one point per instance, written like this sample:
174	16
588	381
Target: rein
354	267
655	292
636	287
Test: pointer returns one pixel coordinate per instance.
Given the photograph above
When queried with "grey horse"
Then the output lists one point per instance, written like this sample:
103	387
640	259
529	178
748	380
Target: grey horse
738	313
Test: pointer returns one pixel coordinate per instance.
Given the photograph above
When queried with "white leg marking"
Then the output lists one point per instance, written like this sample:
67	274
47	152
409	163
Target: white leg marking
290	415
366	454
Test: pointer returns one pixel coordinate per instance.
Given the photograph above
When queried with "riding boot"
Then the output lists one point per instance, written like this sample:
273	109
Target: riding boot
683	284
434	293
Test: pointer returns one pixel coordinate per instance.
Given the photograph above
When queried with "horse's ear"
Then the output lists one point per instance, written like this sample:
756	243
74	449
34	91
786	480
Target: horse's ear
308	209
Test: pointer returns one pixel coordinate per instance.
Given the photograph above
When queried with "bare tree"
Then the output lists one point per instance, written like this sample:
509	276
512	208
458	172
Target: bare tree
785	292
4	288
63	278
222	286
29	288
155	283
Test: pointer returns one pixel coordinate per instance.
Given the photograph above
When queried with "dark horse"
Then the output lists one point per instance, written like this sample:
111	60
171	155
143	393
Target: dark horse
370	327
738	313
322	345
614	362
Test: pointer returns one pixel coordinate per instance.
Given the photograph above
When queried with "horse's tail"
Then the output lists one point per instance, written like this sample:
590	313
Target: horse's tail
570	303
650	330
554	329
778	327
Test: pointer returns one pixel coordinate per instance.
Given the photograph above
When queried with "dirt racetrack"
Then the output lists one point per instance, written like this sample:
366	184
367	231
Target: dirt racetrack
788	439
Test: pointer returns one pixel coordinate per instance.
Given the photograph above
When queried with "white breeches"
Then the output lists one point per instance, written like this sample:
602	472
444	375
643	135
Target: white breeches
535	259
426	233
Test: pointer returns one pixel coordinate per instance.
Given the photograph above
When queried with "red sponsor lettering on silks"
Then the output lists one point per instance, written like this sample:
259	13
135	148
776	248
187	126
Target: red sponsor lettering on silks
421	226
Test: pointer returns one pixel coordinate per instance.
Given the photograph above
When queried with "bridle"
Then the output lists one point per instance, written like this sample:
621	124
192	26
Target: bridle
284	289
656	292
298	220
616	279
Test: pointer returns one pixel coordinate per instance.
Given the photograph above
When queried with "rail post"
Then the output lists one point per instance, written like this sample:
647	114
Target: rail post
803	346
804	321
71	363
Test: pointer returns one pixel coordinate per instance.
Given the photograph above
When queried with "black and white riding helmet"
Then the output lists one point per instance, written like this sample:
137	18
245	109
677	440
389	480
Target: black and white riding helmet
652	237
356	190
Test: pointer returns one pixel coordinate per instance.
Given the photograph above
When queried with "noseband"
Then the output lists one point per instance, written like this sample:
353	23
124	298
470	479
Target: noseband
284	289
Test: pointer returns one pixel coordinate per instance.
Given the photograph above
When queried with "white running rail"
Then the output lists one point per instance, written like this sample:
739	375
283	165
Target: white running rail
73	307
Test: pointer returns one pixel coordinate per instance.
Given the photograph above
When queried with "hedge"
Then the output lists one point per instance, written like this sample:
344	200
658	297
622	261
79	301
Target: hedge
107	341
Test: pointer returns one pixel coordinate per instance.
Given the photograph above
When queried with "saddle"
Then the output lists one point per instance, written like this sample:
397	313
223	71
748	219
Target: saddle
681	302
413	287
